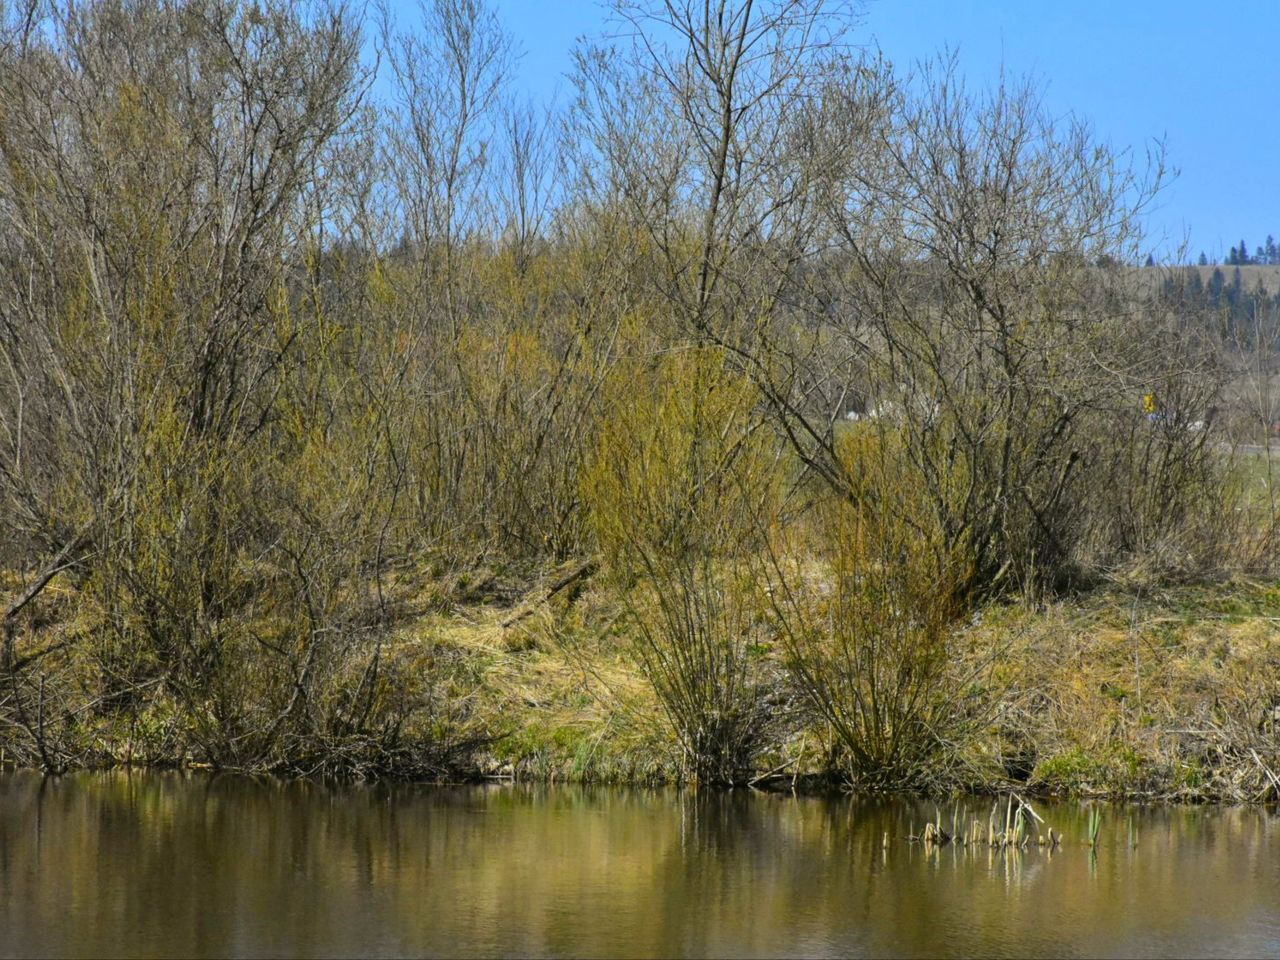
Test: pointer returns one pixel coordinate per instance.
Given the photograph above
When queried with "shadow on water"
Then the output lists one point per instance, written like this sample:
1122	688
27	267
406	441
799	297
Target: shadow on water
128	864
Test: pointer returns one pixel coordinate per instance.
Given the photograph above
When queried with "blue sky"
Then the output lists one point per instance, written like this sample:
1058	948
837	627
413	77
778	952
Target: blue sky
1203	77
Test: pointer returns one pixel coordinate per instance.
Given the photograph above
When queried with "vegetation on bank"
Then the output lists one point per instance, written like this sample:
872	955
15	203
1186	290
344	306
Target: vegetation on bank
769	413
1136	690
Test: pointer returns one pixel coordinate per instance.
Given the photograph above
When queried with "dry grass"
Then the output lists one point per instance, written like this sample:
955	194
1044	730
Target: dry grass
1142	692
552	681
1134	690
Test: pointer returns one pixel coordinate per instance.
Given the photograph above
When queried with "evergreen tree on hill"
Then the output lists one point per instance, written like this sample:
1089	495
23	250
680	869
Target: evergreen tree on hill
1216	282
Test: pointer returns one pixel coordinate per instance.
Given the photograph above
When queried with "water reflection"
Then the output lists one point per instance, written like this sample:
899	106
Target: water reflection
160	864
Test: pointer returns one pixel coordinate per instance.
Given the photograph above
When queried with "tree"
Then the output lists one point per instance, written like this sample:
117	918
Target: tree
975	198
1216	284
695	132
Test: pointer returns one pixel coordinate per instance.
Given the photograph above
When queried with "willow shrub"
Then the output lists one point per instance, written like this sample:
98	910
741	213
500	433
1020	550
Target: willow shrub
867	597
676	490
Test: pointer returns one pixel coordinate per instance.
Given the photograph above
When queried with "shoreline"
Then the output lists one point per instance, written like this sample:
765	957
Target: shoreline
1147	694
814	786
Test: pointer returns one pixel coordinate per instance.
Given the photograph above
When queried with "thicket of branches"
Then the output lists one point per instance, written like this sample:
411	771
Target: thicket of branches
815	353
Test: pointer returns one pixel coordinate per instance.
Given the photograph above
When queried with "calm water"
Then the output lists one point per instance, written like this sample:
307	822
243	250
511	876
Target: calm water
128	864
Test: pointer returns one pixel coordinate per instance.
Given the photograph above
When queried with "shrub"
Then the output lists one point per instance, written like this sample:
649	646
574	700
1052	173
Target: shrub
675	491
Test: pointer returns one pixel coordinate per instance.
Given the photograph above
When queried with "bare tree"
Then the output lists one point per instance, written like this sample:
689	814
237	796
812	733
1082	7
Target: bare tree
447	78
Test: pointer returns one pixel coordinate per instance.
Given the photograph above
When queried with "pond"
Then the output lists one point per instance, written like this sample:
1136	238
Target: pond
134	864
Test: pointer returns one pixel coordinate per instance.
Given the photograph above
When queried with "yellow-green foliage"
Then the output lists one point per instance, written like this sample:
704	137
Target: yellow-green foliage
868	603
888	512
681	490
683	467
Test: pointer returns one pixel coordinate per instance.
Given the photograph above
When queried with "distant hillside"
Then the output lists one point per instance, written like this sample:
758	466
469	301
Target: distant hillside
1250	276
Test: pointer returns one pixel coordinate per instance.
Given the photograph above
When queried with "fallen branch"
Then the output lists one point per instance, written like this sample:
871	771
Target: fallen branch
1275	782
771	774
580	572
34	589
56	566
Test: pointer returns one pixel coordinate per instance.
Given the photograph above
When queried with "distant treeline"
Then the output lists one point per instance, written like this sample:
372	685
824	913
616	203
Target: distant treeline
1224	296
1266	255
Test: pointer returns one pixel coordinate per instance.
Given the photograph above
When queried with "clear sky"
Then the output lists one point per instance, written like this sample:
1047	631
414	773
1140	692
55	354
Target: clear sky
1202	76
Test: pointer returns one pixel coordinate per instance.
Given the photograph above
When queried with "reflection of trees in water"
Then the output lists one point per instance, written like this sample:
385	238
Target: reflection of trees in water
173	863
